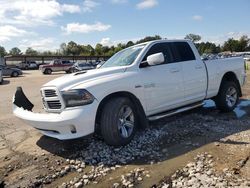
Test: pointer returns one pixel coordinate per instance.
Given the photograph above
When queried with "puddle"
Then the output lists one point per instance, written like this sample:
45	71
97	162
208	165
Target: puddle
209	104
240	111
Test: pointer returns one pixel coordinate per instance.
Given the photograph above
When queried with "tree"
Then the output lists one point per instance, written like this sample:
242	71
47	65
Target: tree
243	43
31	51
15	51
149	38
234	45
207	47
73	48
129	43
2	51
193	37
47	53
63	48
230	45
90	50
98	49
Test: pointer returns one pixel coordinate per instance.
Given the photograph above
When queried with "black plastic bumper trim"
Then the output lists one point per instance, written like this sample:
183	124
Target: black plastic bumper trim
21	100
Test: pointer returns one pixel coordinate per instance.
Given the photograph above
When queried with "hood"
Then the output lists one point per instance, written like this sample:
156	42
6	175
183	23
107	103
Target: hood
71	80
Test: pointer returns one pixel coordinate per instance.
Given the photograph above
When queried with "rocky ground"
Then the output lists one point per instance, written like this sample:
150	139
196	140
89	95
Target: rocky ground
200	148
201	173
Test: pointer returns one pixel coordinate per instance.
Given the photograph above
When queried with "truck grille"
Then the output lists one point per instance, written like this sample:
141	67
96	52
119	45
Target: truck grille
51	100
50	93
54	104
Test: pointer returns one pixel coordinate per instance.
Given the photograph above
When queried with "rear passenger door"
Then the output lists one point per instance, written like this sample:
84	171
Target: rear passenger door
65	65
194	72
57	66
163	84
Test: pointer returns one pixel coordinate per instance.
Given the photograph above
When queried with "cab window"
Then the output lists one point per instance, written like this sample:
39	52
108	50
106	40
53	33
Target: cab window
160	47
182	51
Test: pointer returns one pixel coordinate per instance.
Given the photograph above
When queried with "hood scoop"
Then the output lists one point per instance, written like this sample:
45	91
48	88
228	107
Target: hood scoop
79	73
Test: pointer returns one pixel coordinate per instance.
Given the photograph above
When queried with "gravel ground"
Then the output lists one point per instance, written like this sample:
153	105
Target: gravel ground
200	148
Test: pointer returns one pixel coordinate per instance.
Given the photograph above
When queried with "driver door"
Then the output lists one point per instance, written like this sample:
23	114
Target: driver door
163	84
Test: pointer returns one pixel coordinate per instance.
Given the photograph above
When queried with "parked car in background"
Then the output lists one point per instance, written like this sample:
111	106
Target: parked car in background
56	66
1	76
13	72
100	64
142	83
81	67
246	57
28	65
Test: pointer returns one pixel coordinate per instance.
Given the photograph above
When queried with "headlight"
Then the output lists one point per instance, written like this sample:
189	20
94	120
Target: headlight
77	97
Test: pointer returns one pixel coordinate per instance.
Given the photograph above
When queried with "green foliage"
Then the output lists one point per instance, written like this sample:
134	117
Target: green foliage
207	48
2	51
63	49
193	37
130	43
149	38
31	51
240	45
72	48
15	51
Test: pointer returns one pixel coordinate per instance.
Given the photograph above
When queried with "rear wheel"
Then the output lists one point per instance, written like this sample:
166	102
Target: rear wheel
118	122
228	97
15	74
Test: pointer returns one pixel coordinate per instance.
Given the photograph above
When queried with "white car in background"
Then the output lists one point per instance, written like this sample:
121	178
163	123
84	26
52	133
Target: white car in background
246	57
142	83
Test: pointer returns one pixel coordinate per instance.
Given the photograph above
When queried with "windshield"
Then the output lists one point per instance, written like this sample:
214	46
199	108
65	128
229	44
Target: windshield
84	64
124	57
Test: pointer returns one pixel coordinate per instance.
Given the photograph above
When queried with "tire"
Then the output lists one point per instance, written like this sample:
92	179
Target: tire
48	71
228	97
116	129
68	71
15	74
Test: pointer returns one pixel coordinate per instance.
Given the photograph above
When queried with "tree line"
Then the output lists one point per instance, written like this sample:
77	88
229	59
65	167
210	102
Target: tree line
72	48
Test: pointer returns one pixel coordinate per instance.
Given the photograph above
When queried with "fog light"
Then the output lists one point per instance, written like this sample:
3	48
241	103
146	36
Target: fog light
72	129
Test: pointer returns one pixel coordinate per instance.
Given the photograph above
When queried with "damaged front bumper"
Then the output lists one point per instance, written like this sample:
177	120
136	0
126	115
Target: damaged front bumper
69	124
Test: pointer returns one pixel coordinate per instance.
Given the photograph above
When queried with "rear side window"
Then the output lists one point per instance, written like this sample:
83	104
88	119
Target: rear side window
182	52
160	47
65	62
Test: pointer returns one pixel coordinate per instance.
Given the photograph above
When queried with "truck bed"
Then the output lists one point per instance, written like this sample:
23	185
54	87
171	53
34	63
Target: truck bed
216	70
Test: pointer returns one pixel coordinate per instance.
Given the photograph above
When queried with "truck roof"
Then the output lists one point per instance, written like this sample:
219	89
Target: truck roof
163	40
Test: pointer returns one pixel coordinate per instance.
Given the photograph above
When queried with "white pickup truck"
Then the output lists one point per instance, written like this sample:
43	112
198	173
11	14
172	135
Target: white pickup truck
141	83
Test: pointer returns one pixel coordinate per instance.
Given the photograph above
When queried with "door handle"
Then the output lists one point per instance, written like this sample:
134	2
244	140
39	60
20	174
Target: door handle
173	70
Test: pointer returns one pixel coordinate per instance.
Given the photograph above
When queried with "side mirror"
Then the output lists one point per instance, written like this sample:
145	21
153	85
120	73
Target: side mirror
155	59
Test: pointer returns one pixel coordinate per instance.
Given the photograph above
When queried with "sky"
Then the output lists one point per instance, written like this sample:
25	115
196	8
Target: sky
45	24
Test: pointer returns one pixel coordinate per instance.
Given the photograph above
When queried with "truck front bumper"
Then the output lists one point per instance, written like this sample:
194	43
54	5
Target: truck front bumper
69	124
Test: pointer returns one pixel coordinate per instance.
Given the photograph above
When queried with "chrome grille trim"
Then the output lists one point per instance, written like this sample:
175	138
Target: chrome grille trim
54	104
52	99
50	93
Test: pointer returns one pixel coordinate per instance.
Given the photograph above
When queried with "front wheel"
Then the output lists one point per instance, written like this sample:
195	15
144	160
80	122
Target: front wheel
228	97
48	71
118	121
